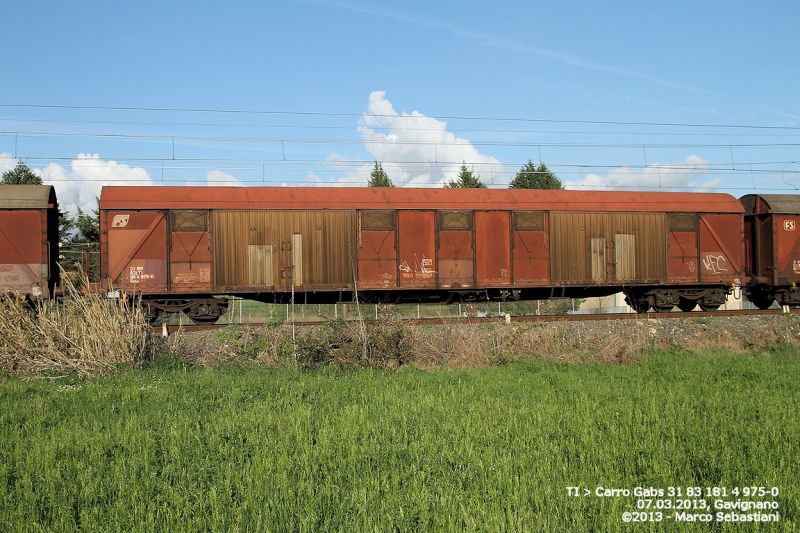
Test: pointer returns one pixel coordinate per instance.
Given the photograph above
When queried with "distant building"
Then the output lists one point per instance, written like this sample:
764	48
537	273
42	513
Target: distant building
616	304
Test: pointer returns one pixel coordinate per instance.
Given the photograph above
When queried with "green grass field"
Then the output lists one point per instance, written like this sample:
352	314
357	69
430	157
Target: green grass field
171	448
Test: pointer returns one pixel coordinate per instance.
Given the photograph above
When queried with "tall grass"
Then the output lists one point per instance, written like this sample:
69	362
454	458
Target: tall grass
182	448
391	343
83	334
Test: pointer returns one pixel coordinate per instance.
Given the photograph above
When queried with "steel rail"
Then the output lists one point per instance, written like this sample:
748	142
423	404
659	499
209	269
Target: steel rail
173	328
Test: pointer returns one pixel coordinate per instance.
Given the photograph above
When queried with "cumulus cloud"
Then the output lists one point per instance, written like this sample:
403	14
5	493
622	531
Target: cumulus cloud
222	179
79	184
668	176
7	162
414	149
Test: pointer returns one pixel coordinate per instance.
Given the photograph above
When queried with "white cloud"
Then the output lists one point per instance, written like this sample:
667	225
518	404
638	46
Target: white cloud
79	185
222	179
415	149
669	176
7	162
336	162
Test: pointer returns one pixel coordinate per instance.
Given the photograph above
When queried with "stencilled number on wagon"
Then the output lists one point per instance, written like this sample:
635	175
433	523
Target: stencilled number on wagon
796	266
137	273
788	225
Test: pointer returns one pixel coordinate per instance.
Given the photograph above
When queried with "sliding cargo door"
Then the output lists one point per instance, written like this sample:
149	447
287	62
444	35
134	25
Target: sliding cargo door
190	252
493	248
250	249
682	256
721	249
608	248
321	250
531	254
417	249
455	250
377	253
639	249
266	251
135	258
579	243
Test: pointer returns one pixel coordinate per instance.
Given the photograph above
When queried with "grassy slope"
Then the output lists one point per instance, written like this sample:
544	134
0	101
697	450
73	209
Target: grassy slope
475	450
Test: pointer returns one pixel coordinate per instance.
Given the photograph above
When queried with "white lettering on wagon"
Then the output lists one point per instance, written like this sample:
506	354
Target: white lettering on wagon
713	263
137	273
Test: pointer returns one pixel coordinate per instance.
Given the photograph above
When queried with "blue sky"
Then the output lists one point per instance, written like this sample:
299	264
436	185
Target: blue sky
322	89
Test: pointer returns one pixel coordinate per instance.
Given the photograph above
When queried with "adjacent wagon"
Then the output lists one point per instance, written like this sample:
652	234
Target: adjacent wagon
28	240
772	248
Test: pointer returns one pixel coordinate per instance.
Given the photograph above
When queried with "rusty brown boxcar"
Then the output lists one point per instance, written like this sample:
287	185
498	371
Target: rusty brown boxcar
772	248
179	246
28	240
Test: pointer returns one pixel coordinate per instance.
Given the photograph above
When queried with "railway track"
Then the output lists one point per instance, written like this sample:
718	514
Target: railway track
172	328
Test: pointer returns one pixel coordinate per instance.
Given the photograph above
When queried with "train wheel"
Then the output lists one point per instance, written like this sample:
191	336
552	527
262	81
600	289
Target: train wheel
709	307
206	311
203	320
686	305
762	303
152	315
664	308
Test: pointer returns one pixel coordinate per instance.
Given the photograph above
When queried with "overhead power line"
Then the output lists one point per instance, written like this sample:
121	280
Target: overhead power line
416	117
196	138
394	128
323	164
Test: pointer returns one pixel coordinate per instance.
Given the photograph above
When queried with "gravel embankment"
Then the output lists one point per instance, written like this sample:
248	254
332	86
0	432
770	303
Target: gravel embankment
471	345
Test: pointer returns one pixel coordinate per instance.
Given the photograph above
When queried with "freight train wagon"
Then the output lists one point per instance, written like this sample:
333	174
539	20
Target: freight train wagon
772	248
180	248
28	240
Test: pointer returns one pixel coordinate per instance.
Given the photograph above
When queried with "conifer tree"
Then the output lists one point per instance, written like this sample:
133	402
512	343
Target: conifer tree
21	175
378	177
467	179
532	177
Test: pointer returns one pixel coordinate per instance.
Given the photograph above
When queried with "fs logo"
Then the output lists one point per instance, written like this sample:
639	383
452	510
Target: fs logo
788	225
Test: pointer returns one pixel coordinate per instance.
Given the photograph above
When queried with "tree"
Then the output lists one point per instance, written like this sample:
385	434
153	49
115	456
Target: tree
66	225
80	245
378	177
531	177
21	175
88	226
466	179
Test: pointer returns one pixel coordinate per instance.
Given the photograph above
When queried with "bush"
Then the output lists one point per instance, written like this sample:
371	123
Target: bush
383	343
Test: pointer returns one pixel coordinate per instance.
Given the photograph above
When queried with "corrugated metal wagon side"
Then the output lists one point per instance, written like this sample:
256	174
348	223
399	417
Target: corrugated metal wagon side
274	251
178	246
28	240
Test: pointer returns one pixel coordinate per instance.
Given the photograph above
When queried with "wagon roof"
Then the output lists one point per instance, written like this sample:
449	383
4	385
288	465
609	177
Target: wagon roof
156	197
27	196
772	203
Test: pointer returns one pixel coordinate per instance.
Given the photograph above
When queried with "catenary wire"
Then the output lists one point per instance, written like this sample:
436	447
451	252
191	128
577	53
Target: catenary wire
368	115
390	141
394	128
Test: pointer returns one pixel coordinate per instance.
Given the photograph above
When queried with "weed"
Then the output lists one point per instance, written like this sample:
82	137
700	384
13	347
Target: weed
84	334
